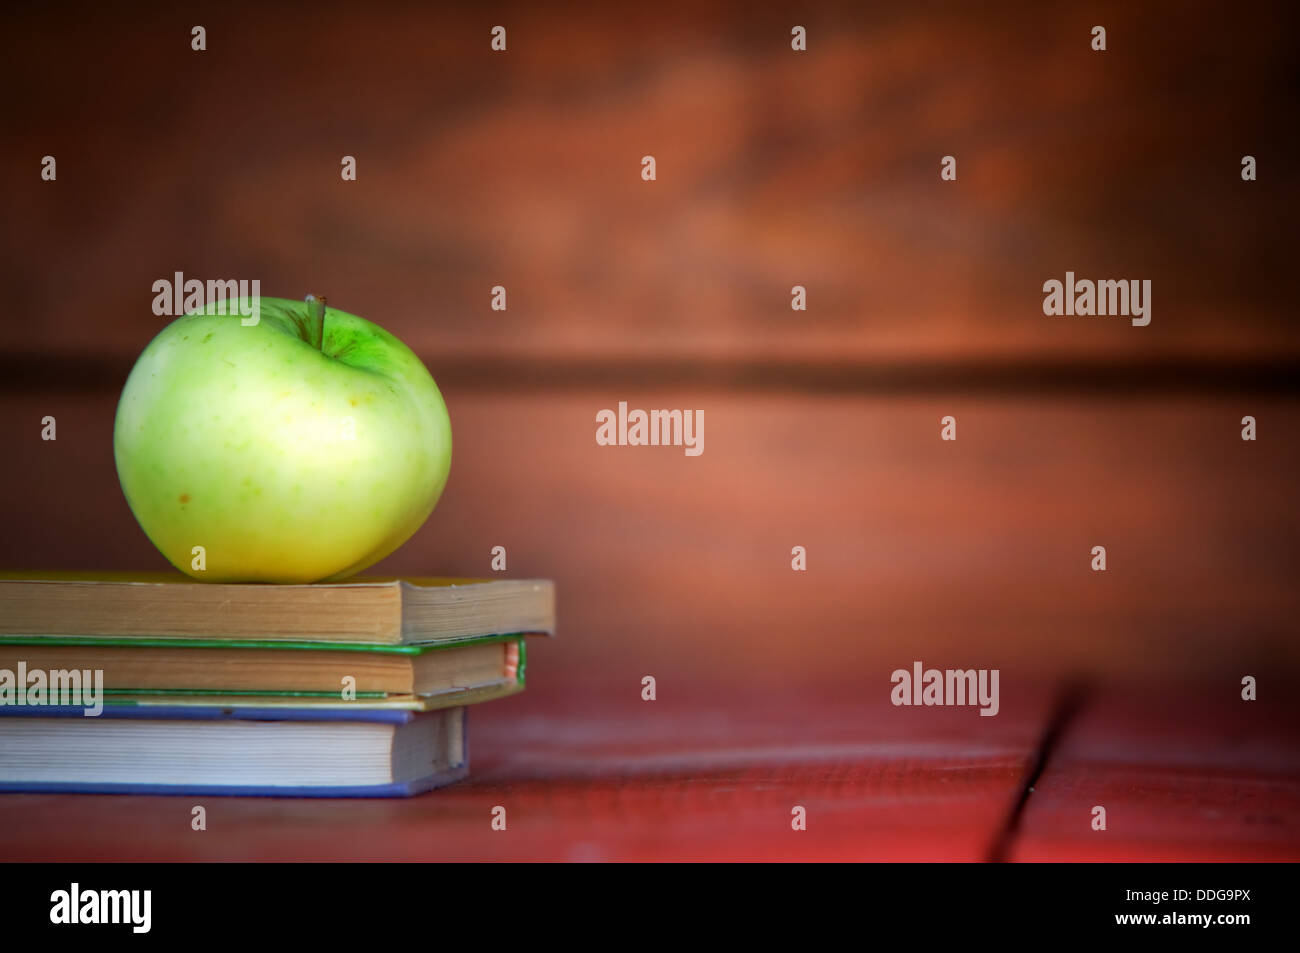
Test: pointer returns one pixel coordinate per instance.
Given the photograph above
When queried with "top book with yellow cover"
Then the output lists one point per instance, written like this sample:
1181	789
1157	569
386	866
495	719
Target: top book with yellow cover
369	610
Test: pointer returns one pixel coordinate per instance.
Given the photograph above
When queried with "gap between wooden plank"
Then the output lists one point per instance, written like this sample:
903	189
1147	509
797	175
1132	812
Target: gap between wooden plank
85	373
1071	701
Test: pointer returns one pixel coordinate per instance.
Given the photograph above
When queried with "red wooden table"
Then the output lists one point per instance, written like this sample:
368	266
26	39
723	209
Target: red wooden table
701	777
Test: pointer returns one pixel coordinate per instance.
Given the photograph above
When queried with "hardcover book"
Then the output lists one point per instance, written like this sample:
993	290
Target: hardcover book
192	666
275	751
364	610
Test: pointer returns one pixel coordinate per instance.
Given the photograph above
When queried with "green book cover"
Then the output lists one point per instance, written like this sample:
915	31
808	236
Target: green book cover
128	643
260	698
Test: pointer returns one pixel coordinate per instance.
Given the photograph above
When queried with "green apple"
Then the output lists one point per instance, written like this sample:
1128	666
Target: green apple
300	448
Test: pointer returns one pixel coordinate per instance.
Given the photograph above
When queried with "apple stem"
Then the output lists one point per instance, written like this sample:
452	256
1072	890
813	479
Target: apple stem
316	321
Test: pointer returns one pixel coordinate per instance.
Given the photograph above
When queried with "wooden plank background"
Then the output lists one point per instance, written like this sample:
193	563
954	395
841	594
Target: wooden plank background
775	169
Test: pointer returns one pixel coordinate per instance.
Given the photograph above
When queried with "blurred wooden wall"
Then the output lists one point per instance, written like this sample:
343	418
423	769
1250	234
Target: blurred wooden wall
774	169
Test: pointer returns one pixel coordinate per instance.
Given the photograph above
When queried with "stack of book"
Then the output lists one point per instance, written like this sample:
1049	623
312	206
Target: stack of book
158	684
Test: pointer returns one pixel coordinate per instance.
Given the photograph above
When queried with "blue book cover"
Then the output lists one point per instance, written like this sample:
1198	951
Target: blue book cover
448	725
